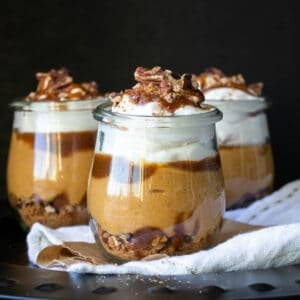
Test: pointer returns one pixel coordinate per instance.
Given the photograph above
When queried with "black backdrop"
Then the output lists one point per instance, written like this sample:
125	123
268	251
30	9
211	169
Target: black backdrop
106	40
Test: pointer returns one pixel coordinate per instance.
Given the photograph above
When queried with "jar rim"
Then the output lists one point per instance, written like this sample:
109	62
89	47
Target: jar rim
103	113
52	105
241	105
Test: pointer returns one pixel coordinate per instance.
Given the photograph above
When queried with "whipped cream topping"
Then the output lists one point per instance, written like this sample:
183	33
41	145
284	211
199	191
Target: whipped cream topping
228	93
46	117
242	127
154	108
58	105
217	86
160	93
244	122
53	121
160	145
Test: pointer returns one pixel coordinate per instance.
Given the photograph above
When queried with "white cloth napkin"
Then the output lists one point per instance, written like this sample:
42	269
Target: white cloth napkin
265	248
281	207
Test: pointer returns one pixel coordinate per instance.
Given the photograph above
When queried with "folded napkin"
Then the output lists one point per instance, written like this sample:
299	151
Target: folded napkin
241	246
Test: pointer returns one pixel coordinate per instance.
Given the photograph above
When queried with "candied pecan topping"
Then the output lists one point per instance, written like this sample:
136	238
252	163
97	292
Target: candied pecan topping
164	86
58	85
214	78
255	88
143	75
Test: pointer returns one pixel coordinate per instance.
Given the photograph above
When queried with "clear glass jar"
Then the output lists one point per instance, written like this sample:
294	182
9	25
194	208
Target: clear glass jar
245	150
156	184
51	149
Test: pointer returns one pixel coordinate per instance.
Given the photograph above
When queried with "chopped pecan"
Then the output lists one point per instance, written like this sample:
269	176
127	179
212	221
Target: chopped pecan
255	88
214	78
58	85
187	81
215	71
163	86
154	75
90	87
53	80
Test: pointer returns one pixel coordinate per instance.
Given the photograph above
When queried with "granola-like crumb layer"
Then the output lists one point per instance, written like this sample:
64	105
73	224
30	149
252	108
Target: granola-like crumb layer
58	85
215	78
148	241
49	214
170	90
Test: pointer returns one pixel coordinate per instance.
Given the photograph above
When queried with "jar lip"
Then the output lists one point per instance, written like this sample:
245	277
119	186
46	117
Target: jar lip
104	114
246	100
241	105
52	105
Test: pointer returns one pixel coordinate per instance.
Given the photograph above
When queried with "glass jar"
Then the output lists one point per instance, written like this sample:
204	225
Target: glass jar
245	150
51	149
156	184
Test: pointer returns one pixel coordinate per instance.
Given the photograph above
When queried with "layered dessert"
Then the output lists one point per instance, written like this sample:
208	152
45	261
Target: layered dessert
156	185
243	136
51	150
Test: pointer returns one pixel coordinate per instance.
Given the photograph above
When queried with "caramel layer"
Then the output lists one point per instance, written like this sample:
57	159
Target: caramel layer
63	143
130	172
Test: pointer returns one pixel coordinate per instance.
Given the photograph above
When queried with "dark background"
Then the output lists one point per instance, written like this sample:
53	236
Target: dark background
106	40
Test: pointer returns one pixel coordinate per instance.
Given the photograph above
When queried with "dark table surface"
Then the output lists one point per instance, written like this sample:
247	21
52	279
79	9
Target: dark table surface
21	280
